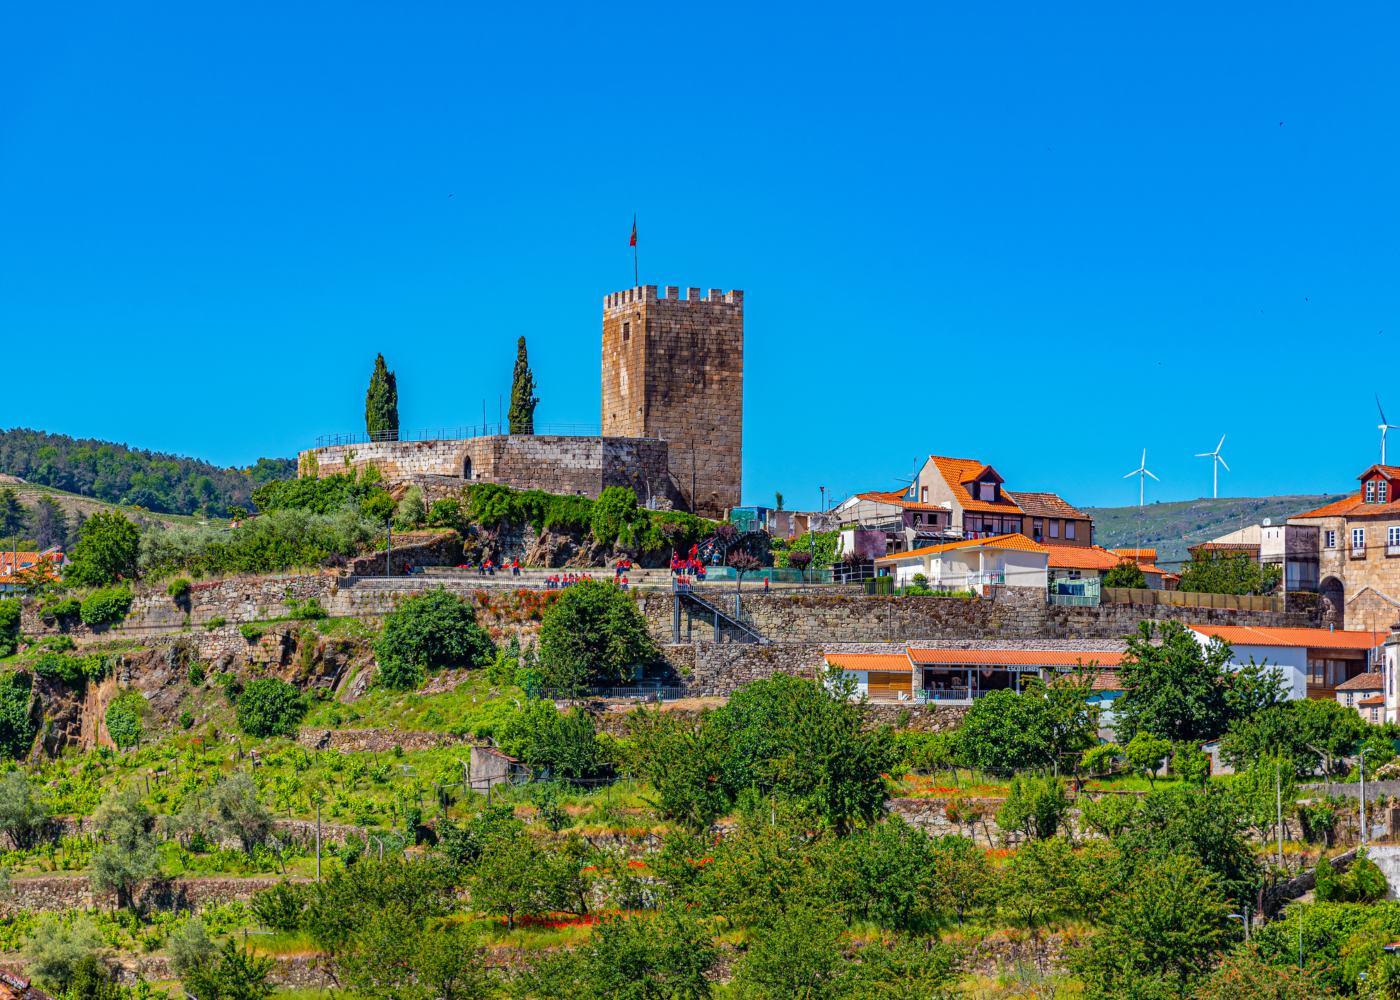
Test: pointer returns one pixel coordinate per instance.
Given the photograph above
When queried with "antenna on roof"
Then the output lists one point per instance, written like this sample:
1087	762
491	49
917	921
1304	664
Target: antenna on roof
1217	462
1142	473
912	478
1383	427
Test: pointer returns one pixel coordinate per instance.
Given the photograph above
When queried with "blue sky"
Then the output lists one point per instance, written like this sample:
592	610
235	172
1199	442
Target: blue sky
1041	236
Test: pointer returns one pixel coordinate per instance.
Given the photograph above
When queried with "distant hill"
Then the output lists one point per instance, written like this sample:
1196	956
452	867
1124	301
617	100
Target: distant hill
1171	527
119	475
78	508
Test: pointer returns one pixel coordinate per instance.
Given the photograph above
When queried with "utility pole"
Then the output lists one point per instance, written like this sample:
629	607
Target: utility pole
318	839
1363	796
388	547
1278	803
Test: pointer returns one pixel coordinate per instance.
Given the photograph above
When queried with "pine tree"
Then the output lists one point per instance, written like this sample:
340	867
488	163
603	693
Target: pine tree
522	393
382	403
50	524
13	516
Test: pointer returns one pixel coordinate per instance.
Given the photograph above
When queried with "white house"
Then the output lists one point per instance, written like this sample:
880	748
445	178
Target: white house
1314	662
1011	560
878	676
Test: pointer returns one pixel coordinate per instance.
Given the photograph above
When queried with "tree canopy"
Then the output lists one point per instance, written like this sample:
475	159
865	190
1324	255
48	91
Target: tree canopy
522	393
593	635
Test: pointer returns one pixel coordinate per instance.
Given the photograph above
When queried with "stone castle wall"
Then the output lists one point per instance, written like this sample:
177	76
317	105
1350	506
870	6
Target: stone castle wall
673	368
554	463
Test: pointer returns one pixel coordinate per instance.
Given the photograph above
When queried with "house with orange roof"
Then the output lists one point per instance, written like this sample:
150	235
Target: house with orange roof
971	564
1313	662
877	523
973	492
955	675
1358	539
15	566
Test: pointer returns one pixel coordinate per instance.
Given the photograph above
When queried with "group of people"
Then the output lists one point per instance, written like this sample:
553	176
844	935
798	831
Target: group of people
560	581
488	568
688	566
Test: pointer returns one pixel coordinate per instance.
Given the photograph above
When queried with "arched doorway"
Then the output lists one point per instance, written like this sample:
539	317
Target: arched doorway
467	467
1333	596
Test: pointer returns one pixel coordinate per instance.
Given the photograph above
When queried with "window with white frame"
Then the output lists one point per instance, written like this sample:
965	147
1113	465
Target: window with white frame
1370	491
1329	539
1382	491
1358	538
1392	536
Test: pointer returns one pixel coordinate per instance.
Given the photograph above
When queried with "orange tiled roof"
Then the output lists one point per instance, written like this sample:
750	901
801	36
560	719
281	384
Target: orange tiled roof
1015	542
1014	657
1321	638
888	662
958	471
1138	555
1149	568
1044	505
895	498
26	560
1363	682
1082	557
1375	699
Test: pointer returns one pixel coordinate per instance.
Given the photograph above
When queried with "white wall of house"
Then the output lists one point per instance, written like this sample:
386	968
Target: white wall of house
862	679
1390	673
1291	662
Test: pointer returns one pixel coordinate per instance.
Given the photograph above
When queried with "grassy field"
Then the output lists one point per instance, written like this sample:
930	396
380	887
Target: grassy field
72	503
1171	527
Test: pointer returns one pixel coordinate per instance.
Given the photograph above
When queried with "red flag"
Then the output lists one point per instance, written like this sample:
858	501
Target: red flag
633	241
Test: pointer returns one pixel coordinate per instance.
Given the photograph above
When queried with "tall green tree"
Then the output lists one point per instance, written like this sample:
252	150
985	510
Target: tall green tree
128	855
1126	574
1229	573
522	393
382	403
1178	689
593	635
49	525
106	551
13	516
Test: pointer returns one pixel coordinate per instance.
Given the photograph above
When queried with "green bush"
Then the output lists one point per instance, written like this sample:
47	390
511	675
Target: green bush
270	707
307	610
410	512
75	671
218	621
612	516
179	590
565	745
272	543
105	607
593	635
10	609
445	513
124	719
252	631
16	722
427	632
195	674
186	719
61	611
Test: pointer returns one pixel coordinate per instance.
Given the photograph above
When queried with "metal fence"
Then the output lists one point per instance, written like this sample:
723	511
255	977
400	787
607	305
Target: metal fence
1192	599
454	433
640	692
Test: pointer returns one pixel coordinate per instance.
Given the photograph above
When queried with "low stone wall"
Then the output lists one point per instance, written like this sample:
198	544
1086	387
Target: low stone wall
375	740
417	549
67	892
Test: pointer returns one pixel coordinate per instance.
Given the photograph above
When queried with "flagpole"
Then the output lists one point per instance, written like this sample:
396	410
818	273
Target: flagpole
636	279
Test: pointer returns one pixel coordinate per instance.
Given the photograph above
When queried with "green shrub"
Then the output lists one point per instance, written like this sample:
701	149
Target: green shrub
16	722
10	609
274	542
565	745
613	514
270	707
252	631
307	610
218	621
445	513
75	671
124	719
105	607
195	674
186	719
426	632
61	611
179	590
107	550
593	635
410	512
280	906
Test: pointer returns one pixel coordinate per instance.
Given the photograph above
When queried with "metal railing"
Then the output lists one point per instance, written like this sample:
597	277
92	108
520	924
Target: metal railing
459	432
641	692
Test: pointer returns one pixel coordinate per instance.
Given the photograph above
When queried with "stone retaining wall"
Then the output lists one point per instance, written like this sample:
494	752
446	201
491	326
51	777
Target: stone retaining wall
375	740
66	892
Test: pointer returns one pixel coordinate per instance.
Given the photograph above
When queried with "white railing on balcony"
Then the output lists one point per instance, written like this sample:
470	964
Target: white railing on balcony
985	579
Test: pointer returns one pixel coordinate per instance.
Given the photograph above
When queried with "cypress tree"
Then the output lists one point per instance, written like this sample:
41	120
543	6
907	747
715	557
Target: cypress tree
522	393
382	403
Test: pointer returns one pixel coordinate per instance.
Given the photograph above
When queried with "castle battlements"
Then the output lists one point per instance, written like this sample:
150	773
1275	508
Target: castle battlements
671	293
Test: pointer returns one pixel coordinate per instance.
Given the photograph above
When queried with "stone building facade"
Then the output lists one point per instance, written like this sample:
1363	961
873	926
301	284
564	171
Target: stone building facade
673	368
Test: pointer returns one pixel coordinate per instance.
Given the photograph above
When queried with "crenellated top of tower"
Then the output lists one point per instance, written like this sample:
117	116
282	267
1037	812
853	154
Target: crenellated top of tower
671	293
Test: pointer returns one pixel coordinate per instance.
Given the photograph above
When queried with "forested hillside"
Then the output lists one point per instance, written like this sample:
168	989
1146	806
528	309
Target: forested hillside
1171	527
117	474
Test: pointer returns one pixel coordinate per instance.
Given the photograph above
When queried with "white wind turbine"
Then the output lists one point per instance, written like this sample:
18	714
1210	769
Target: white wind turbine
1142	473
1383	427
1216	462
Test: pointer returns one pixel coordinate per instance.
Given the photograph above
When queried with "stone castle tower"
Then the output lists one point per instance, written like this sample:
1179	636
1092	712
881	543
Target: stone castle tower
673	368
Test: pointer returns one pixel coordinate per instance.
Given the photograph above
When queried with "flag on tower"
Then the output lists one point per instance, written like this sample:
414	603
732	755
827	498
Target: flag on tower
633	241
